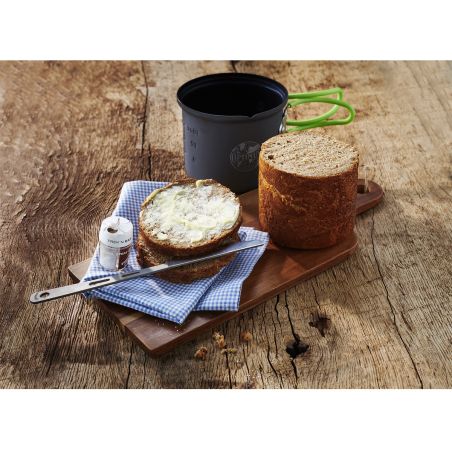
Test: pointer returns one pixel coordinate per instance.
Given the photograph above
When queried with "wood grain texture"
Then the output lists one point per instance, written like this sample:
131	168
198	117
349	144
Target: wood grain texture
72	133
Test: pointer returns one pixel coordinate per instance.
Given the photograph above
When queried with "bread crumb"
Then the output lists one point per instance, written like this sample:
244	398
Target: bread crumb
228	350
249	383
201	353
246	336
219	340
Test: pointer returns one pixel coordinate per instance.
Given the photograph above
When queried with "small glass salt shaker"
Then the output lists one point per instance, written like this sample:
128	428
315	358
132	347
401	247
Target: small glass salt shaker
115	241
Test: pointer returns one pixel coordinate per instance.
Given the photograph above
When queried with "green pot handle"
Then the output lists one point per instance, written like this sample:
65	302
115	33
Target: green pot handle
296	99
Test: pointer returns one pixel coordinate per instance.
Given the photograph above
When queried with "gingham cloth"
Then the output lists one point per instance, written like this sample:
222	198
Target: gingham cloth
165	299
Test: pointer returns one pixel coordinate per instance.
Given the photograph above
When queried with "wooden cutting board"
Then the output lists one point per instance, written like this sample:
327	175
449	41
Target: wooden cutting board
277	270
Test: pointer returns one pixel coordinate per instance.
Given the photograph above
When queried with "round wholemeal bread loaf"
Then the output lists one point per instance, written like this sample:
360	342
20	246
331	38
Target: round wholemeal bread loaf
307	189
189	217
148	256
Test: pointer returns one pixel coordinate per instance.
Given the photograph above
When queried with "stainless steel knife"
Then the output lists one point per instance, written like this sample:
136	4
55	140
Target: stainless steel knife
59	292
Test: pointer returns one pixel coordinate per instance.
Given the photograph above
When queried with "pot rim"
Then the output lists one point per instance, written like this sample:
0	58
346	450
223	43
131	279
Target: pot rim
218	78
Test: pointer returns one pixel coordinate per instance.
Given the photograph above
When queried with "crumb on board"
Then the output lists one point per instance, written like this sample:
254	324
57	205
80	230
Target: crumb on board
201	353
228	350
246	336
219	340
221	343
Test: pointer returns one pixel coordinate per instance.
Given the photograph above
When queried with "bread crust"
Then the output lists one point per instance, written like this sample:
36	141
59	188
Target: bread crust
306	212
148	257
166	247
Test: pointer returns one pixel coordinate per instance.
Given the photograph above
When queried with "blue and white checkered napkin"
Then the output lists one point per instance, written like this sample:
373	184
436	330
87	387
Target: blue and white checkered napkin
165	299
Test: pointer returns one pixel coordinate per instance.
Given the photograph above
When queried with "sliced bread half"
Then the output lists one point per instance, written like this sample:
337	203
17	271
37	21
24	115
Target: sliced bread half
307	189
189	217
148	256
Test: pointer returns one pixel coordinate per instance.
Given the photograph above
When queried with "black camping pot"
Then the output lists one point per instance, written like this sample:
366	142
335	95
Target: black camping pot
226	118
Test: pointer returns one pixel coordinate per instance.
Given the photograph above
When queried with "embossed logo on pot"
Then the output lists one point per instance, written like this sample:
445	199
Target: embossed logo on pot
244	156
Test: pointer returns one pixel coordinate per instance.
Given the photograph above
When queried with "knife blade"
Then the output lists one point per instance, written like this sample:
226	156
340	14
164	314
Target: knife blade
84	286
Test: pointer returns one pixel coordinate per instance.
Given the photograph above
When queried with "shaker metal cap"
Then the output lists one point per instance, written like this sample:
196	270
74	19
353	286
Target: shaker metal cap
116	232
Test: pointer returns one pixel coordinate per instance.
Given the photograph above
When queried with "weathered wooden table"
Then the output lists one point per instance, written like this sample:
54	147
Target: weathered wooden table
72	133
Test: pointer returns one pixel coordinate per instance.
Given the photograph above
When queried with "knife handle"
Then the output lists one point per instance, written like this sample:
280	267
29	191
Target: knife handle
64	291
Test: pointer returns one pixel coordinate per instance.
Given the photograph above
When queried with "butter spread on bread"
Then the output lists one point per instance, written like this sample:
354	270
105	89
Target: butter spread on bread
189	217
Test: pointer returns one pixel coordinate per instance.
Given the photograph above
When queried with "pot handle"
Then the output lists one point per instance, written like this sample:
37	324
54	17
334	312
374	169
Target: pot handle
321	120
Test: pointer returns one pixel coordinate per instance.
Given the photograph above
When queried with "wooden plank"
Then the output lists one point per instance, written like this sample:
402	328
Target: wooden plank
70	137
71	134
389	305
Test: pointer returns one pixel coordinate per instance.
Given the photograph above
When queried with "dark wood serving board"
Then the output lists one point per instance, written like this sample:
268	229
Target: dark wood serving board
277	270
